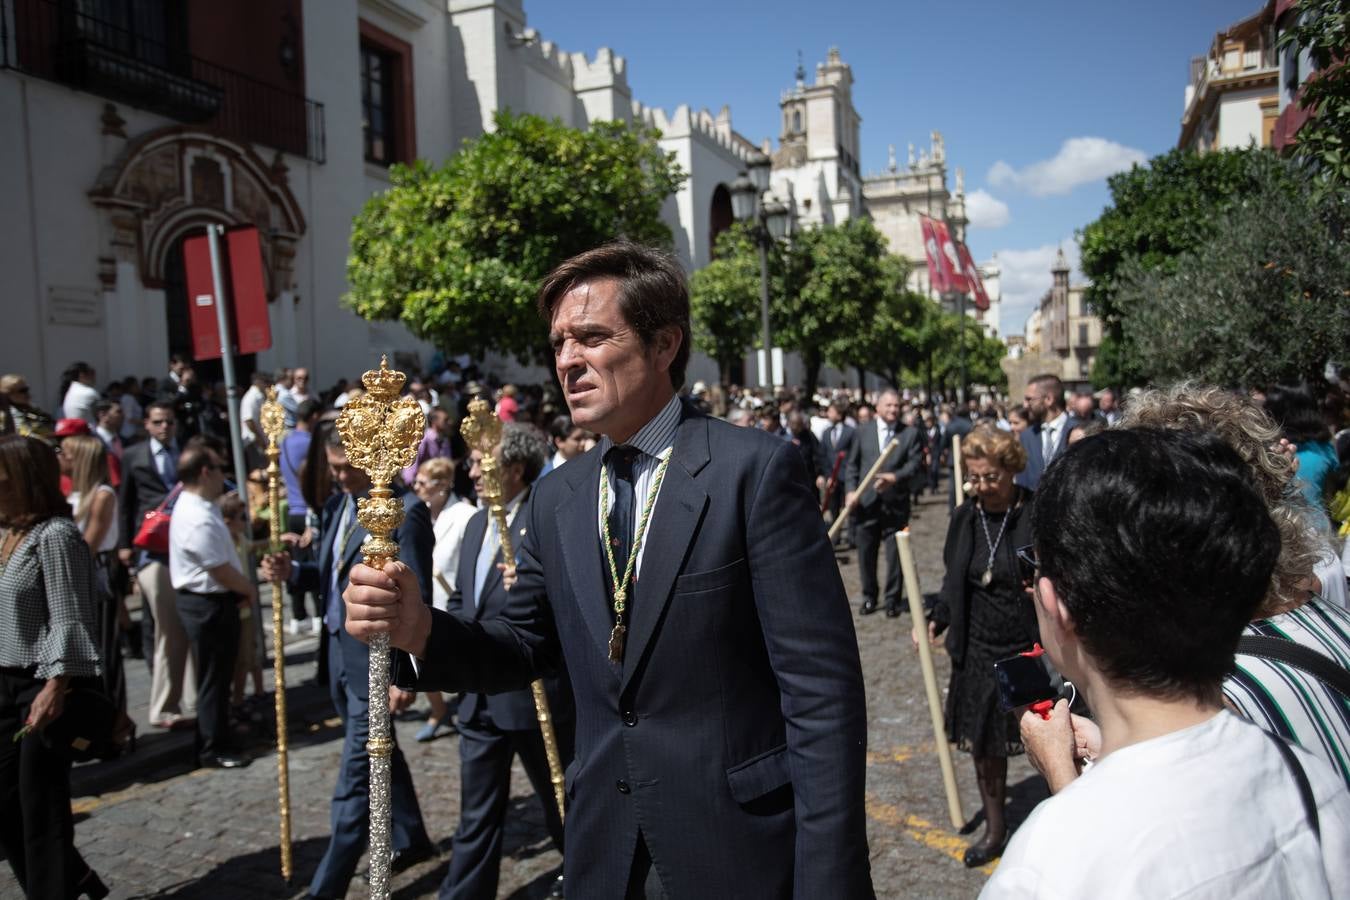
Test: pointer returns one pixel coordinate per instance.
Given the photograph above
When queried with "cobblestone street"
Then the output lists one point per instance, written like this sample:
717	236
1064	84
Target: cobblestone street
153	826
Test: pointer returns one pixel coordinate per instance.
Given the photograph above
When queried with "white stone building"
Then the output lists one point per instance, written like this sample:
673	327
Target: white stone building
1233	97
135	123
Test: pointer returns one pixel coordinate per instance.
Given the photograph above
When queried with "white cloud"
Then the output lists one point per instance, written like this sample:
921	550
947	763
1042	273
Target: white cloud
985	210
1080	160
1025	277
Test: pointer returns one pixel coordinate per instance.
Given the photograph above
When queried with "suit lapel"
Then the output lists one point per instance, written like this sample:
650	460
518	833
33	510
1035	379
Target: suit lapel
517	532
679	508
578	525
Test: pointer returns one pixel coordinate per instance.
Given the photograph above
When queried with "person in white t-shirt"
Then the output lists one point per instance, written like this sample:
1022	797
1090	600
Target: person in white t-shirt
79	394
205	571
1152	552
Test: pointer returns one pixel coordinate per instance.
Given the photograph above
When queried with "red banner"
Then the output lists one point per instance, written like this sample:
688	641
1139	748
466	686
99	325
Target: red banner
201	298
241	268
944	267
248	292
973	279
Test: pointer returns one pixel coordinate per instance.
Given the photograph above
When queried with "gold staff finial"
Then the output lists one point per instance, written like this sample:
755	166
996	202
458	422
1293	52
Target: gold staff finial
274	425
380	431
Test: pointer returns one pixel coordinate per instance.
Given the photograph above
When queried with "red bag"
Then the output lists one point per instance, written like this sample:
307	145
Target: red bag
153	536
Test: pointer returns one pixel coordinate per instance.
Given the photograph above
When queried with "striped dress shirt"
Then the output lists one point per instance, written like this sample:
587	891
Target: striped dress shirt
655	440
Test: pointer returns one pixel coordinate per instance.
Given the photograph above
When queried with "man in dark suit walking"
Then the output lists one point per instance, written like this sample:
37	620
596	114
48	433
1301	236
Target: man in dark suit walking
348	672
681	570
493	728
1048	434
883	505
837	439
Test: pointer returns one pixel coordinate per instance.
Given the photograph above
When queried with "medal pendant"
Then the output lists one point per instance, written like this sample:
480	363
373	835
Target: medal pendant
616	643
987	577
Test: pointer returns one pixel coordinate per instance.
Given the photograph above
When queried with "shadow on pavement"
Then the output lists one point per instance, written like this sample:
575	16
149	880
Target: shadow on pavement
251	876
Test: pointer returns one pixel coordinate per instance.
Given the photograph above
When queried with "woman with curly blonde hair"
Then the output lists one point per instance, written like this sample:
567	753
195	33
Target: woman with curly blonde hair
987	615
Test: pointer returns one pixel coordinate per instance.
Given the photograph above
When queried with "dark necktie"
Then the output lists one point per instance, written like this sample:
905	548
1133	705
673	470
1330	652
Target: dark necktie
621	460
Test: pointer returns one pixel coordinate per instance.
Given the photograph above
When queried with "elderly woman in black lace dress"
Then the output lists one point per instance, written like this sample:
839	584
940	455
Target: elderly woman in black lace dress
987	616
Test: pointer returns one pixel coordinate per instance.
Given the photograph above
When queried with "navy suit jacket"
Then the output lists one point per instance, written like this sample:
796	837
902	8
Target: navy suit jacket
510	710
415	540
1030	477
891	508
829	450
733	736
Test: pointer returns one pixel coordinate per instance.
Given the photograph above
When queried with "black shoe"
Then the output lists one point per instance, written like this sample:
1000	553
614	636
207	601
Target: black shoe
410	856
983	853
557	890
893	611
92	886
225	761
869	606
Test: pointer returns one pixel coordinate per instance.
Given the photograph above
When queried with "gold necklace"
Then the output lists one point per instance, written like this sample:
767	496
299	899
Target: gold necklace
616	637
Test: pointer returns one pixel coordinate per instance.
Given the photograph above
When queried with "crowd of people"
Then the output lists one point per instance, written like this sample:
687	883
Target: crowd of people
1162	549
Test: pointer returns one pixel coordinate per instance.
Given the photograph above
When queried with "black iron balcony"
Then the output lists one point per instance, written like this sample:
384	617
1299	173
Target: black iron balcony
53	40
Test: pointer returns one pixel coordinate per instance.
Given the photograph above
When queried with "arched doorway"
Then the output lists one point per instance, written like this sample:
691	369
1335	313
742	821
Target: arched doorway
176	306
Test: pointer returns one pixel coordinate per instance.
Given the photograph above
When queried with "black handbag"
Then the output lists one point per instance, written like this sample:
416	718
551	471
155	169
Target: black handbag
86	728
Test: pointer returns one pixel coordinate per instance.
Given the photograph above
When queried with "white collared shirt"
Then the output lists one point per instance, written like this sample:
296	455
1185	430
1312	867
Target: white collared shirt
1050	435
655	440
492	542
883	428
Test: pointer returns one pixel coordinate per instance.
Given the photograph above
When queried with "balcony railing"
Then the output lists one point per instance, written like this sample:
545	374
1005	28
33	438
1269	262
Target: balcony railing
53	40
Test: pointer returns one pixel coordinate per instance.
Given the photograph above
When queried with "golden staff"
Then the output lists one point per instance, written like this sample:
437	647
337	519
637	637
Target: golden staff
273	424
930	685
482	431
862	486
380	431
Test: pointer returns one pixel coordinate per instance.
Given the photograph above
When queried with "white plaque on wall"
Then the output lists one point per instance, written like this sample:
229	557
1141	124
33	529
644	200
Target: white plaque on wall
74	306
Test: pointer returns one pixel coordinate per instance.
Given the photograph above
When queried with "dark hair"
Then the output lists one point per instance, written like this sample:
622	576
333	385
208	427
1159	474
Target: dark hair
307	410
30	482
1161	550
162	405
196	456
1296	411
72	374
178	358
316	482
1020	411
102	408
1051	384
561	427
333	440
653	293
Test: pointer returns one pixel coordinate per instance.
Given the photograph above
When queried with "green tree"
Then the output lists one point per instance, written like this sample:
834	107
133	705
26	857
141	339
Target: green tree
456	253
830	284
724	299
1158	211
1322	29
889	344
1267	299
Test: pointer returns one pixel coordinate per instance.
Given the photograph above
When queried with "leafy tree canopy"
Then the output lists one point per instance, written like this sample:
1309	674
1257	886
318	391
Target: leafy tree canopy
724	298
457	253
1321	29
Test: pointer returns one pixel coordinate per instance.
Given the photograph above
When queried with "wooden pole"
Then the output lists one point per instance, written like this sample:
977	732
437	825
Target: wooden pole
944	750
862	486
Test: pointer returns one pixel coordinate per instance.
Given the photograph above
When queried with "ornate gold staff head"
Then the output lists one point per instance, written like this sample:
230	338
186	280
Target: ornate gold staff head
380	431
482	431
273	418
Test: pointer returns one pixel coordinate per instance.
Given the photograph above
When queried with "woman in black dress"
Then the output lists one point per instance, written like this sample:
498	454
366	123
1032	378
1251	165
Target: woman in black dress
987	616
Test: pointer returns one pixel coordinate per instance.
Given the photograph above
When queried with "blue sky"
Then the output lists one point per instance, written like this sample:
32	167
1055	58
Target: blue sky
1037	101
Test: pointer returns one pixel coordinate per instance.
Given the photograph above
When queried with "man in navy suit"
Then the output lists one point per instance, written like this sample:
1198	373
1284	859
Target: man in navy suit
348	671
1048	433
495	727
721	721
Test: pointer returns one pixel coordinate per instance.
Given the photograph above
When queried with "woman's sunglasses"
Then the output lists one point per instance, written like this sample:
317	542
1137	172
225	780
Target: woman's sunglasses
1027	565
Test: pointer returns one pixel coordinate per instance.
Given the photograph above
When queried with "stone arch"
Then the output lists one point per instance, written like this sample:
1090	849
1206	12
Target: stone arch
169	181
720	217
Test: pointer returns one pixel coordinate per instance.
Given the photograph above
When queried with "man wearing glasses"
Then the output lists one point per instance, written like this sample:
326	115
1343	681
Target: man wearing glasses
149	474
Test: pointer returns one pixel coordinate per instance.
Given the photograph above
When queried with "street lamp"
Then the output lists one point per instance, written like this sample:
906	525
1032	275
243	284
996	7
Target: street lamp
769	218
